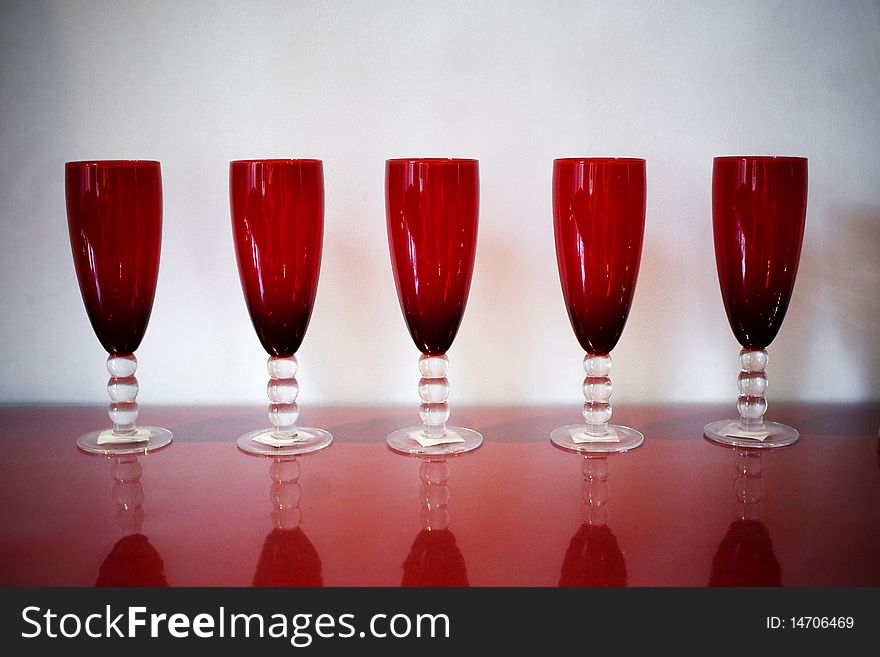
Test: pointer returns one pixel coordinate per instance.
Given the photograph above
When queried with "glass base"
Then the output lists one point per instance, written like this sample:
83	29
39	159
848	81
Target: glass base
400	442
781	435
628	439
318	439
158	438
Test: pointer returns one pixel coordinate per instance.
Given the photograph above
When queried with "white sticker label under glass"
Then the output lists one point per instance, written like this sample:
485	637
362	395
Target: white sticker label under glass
583	437
109	438
267	438
733	430
448	438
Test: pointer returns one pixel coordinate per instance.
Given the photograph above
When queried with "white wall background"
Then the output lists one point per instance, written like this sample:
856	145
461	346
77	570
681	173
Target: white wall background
515	84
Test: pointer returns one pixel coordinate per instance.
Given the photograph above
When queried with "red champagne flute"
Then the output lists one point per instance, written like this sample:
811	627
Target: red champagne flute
114	217
599	223
759	206
277	209
432	207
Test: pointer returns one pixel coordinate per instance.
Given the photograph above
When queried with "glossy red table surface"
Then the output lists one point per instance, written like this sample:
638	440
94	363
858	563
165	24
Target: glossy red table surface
677	511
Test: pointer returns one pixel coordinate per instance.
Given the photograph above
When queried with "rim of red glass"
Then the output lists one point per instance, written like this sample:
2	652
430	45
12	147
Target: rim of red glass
601	160
272	160
112	163
432	160
759	158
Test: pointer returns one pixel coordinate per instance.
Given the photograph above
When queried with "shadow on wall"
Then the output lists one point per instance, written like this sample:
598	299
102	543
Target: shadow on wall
839	278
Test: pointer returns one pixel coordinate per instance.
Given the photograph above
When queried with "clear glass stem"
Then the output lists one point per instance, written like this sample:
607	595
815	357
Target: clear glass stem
283	390
285	493
434	493
752	383
123	389
433	391
597	392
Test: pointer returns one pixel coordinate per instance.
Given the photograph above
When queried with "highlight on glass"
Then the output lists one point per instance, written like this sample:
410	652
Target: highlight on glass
759	207
114	218
432	209
277	209
599	225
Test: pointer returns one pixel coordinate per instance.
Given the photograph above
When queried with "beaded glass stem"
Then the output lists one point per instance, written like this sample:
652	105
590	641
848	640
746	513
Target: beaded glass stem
434	391
596	435
125	437
752	382
597	393
123	389
751	430
434	437
284	438
282	391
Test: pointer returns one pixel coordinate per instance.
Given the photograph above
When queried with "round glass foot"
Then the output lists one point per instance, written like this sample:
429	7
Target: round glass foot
402	442
156	439
627	439
778	435
314	440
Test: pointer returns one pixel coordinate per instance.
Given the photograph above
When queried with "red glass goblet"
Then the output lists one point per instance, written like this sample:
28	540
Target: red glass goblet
759	206
114	216
277	209
432	208
599	223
